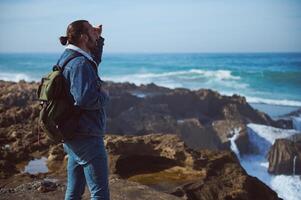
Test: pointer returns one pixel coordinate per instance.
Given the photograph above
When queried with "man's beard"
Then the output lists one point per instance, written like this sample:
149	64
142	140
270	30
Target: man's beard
91	43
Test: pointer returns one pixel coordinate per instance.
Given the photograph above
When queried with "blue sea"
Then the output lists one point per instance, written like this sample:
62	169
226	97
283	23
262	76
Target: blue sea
270	78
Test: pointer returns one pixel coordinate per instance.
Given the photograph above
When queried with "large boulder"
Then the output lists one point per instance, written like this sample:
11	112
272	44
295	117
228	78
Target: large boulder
285	156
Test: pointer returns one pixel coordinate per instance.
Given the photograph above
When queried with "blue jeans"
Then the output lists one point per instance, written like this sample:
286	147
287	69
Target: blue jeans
94	173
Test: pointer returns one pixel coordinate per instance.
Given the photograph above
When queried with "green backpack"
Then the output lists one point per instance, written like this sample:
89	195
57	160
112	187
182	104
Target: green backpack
57	104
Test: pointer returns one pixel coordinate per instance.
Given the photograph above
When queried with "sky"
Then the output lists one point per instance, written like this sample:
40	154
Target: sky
156	25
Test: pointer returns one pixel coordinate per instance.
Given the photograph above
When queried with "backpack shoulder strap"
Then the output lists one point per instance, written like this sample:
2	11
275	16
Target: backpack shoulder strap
62	67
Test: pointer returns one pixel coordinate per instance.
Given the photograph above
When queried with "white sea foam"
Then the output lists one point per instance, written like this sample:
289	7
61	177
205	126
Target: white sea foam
14	77
276	102
284	102
219	74
287	187
235	134
140	80
297	123
270	134
294	165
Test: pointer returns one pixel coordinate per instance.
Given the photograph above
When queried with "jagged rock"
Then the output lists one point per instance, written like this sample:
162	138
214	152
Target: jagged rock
285	156
285	123
130	155
208	105
143	119
291	120
221	175
197	136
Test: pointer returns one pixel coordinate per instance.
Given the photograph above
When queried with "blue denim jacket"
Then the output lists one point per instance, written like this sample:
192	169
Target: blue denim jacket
84	83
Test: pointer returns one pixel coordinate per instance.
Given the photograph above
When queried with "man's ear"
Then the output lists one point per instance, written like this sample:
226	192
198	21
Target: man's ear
84	37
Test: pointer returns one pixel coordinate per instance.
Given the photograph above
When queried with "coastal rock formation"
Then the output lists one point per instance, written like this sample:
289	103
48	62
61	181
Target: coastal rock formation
198	136
164	161
225	129
208	106
213	174
204	119
170	111
143	119
19	130
152	160
285	156
130	155
217	115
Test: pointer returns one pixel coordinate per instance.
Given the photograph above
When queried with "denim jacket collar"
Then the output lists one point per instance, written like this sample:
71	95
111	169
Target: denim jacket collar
79	50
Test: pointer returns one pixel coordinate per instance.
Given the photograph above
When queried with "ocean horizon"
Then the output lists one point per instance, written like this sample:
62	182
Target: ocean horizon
268	78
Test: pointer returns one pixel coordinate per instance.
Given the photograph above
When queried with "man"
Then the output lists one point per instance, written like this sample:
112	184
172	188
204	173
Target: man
87	157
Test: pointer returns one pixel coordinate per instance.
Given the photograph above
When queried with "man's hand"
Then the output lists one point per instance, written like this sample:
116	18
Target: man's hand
98	30
96	52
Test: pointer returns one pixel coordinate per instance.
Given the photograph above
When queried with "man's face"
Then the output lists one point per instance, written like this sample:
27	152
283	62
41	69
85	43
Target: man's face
92	36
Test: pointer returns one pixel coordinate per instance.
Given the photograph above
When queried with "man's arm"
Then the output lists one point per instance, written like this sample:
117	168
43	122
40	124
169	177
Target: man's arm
84	87
97	52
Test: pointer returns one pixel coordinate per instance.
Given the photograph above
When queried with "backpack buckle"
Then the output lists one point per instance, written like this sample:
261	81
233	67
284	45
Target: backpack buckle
56	68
